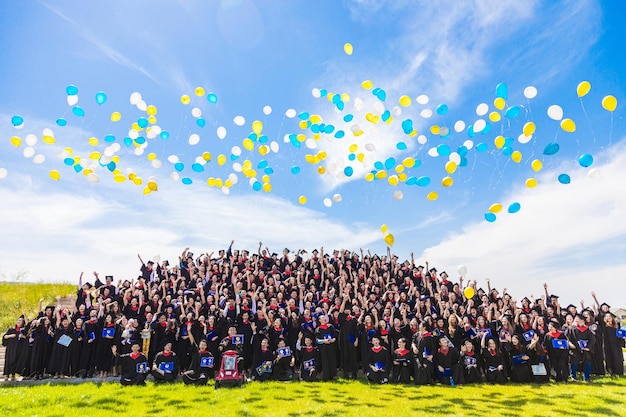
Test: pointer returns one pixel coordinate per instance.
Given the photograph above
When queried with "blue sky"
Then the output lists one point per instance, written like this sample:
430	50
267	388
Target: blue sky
286	55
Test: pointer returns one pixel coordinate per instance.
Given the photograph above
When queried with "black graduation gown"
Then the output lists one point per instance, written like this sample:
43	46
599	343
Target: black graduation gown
423	369
380	359
613	351
104	355
88	351
328	353
16	348
365	343
402	366
456	336
59	362
282	368
348	336
471	368
200	369
309	360
575	335
168	364
491	362
134	368
519	369
76	348
597	356
40	350
448	360
262	364
245	328
558	358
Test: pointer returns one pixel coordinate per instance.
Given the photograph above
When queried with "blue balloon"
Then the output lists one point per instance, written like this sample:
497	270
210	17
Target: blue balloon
315	128
142	122
351	157
164	135
514	207
78	168
295	170
71	90
502	91
381	95
481	147
234	157
201	122
303	116
564	179
486	129
140	140
379	165
407	125
443	149
323	92
197	167
329	129
340	106
212	98
411	181
508	141
68	161
339	134
256	186
442	109
512	112
78	111
179	166
17	120
186	181
507	150
390	163
101	97
269	170
111	166
585	160
348	117
128	141
109	138
470	131
490	217
386	115
61	122
551	148
401	146
348	171
423	181
462	150
418	163
262	164
463	162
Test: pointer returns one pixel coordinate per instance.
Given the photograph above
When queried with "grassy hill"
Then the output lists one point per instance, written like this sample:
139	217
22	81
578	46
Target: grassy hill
17	298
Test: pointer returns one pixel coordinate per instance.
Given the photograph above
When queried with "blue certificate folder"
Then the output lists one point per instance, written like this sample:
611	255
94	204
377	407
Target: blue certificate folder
238	339
108	332
583	344
64	340
470	361
485	331
518	359
166	366
621	333
206	362
559	343
142	367
528	336
284	352
308	364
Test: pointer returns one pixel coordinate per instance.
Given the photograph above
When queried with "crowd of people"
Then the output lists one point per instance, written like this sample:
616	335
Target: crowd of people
312	317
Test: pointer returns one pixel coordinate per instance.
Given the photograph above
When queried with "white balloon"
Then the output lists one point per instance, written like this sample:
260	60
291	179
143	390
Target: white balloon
328	202
290	113
311	143
426	113
39	159
462	270
133	134
142	105
194	139
233	178
274	146
239	120
379	107
47	132
138	151
469	144
251	181
3	173
443	131
286	138
459	126
151	134
172	159
267	110
433	152
482	109
28	152
397	195
92	177
455	157
422	99
225	190
358	103
135	98
522	138
370	147
236	150
116	147
479	125
421	139
221	132
594	173
337	198
72	100
157	163
156	129
31	140
237	167
555	112
396	111
530	92
196	112
174	176
108	151
316	93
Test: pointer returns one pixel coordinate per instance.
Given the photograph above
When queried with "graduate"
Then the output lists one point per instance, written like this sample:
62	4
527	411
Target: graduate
202	364
348	340
134	365
519	360
494	361
41	339
165	367
16	343
470	363
378	362
327	344
558	354
402	363
284	362
613	345
262	362
582	344
86	362
108	333
447	363
423	346
309	358
229	343
59	362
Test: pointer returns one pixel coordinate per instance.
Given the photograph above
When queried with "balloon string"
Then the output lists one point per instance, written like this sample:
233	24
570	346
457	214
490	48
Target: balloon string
593	134
611	131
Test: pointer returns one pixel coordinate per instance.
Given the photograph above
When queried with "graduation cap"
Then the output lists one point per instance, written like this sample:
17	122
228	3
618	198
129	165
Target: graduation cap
314	251
286	250
420	267
150	263
444	273
274	254
554	296
570	307
433	269
526	299
605	304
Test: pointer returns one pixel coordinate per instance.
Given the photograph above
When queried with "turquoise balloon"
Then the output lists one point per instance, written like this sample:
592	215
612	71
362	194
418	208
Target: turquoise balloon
348	171
68	161
323	92
201	122
490	217
512	112
486	129
256	186
71	90
401	146
78	168
407	126
507	150
61	122
269	170
179	166
339	134
196	167
212	98
390	163
263	139
304	115
564	179
443	149
140	140
164	135
481	147
386	115
411	181
442	109
329	129
379	165
502	91
423	181
78	111
101	97
234	157
17	120
128	141
295	170
340	106
315	128
463	162
186	181
111	166
585	160
551	148
470	131
351	157
109	138
262	164
142	122
348	117
514	207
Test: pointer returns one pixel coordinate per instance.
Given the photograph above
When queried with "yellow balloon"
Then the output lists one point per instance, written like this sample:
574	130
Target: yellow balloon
568	125
93	141
199	91
301	137
353	147
402	177
447	181
211	182
369	177
494	116
267	187
119	178
49	140
499	103
54	174
206	156
531	183
264	150
393	180
95	156
495	208
146	191
153	186
248	144
15	141
367	85
137	181
360	156
529	128
536	165
451	167
399	168
384	228
345	97
68	151
304	124
116	116
151	110
152	156
152	120
315	118
516	156
265	178
434	129
389	239
116	159
185	99
432	196
499	141
583	88
468	292
408	162
321	170
347	48
381	175
257	127
609	103
132	176
218	182
221	159
302	199
405	101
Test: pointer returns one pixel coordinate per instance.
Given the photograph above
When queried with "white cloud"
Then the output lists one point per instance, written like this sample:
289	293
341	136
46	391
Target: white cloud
571	236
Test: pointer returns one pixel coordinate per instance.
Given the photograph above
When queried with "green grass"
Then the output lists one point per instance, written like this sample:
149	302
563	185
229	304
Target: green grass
15	298
341	398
